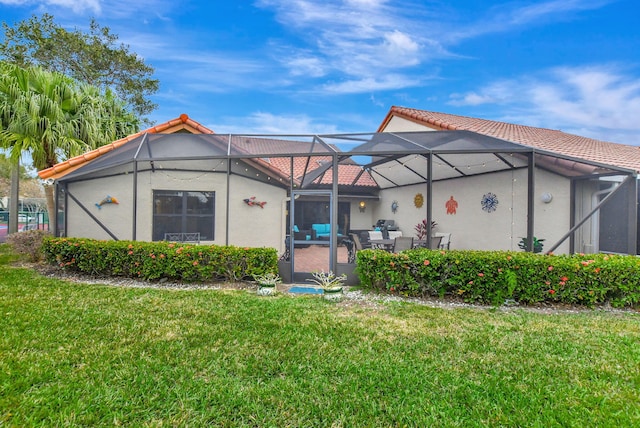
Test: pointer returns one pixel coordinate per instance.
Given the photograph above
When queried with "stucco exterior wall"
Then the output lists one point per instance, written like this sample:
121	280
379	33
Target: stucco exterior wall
362	220
473	228
248	225
252	226
398	124
116	218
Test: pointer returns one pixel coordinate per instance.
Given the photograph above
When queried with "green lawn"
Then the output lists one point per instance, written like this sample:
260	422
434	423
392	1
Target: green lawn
92	355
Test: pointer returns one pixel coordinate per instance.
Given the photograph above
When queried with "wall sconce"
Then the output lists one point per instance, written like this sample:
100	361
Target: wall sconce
363	206
546	197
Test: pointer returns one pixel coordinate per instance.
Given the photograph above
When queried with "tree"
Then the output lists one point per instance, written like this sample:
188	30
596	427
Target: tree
53	117
94	58
6	166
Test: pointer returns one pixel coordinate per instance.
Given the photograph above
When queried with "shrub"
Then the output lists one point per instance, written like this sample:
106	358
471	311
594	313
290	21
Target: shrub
160	260
28	243
496	276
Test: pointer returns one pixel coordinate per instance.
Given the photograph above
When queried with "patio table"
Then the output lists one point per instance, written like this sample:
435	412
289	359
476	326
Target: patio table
387	244
382	244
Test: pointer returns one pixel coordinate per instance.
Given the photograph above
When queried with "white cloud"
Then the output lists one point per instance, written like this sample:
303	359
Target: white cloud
369	43
269	123
370	84
362	39
77	6
471	99
593	101
304	65
549	9
506	17
590	97
112	9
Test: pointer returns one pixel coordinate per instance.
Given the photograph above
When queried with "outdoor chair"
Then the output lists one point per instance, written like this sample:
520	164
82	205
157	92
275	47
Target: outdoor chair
402	243
364	239
445	240
356	241
393	234
435	242
183	237
353	245
375	234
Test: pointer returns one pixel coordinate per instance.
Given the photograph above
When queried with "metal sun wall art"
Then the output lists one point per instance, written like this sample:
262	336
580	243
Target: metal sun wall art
418	200
394	206
489	202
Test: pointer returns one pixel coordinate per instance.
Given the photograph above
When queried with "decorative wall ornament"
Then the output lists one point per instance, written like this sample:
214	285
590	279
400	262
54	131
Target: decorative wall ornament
418	200
107	200
489	202
394	206
253	203
451	205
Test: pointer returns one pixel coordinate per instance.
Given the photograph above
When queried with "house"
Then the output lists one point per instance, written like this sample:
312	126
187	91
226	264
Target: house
182	165
610	228
180	180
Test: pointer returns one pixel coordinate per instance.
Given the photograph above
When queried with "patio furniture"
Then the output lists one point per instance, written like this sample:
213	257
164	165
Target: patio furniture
190	237
445	240
286	256
375	234
321	231
402	243
393	234
301	235
364	239
382	244
356	240
435	243
353	245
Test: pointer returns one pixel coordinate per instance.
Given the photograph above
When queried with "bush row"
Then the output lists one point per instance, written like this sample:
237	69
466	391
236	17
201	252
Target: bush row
495	277
153	261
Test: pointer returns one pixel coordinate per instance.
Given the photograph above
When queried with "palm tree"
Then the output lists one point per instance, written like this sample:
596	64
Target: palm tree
52	117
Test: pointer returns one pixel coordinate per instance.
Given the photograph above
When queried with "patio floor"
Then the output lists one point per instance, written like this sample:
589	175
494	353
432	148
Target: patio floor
316	258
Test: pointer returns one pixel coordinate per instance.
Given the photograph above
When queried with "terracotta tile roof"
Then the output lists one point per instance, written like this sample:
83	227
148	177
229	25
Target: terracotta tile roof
620	155
181	123
347	172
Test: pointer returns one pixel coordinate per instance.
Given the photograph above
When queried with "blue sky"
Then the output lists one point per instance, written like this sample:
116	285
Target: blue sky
302	66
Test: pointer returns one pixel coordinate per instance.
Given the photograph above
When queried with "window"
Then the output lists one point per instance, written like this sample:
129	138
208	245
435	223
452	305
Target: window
184	212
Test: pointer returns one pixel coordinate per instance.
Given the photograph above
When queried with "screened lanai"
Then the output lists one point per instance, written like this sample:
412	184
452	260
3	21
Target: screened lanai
215	184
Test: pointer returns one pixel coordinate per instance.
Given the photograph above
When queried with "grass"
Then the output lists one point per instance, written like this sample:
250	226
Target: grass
93	355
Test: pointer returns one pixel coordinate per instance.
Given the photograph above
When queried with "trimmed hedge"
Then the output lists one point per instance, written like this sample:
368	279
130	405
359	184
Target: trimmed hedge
497	276
153	261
